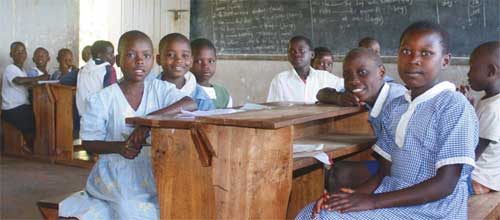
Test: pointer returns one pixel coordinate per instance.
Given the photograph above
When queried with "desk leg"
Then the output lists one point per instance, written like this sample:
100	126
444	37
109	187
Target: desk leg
306	189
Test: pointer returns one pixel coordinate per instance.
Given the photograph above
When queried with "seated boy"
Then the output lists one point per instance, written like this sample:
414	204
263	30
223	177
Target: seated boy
16	108
372	43
323	59
65	60
97	74
204	57
363	74
302	82
40	58
484	75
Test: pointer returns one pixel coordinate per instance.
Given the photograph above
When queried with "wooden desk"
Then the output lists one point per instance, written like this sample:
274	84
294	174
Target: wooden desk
241	166
43	110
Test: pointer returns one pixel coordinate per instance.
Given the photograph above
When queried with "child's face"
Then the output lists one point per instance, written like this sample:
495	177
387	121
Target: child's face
175	58
421	59
478	72
66	59
18	54
299	54
375	47
363	77
204	64
324	62
136	59
109	55
41	58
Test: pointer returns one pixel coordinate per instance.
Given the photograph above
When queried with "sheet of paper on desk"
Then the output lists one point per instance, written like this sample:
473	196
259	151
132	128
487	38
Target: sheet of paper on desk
188	114
47	81
307	147
253	106
319	155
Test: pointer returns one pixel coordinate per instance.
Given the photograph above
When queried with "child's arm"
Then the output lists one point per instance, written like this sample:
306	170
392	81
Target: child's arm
114	147
29	81
331	96
481	146
430	190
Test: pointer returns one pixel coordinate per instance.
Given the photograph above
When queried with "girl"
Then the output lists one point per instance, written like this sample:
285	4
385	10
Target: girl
427	144
121	184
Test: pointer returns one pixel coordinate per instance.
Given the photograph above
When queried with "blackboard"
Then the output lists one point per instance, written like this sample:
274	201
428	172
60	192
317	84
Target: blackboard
263	27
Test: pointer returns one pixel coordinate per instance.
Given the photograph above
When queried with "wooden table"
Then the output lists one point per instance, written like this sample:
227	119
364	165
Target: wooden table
43	111
240	166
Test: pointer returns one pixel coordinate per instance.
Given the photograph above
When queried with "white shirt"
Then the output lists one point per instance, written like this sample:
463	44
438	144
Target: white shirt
90	80
288	86
487	170
190	84
13	95
212	95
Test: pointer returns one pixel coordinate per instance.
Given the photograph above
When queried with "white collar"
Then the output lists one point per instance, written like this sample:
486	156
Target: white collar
379	102
190	84
295	75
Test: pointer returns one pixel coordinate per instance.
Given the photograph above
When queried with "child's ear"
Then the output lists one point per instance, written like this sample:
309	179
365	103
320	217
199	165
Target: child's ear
492	70
117	60
313	55
158	59
446	60
381	71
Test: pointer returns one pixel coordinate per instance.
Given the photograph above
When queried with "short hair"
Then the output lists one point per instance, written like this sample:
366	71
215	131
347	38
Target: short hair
15	43
99	47
173	37
63	51
364	51
429	26
491	49
42	49
134	34
367	40
301	38
322	51
201	43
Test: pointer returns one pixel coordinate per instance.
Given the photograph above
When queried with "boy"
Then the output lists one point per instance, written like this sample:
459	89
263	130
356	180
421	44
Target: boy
323	59
97	74
363	74
175	59
86	53
204	56
40	58
16	108
484	75
302	82
65	59
370	43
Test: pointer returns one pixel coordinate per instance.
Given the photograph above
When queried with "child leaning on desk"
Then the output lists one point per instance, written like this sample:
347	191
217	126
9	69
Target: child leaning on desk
427	144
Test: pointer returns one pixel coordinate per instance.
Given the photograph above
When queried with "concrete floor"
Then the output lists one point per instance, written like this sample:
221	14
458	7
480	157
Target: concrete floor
24	182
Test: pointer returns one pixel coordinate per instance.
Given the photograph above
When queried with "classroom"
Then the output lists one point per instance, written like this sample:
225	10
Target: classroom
271	109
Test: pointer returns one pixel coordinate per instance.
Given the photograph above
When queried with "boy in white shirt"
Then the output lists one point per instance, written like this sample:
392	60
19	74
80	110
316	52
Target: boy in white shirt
16	108
484	75
302	82
40	58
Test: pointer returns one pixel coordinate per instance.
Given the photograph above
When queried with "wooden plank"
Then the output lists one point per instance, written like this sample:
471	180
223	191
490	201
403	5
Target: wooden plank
160	121
43	110
12	139
353	124
64	104
305	189
484	206
335	145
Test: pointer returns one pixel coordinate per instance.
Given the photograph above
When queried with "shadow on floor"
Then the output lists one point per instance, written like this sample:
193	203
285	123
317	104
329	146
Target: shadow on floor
24	182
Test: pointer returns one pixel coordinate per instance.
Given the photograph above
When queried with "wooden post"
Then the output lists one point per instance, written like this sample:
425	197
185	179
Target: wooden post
43	110
64	99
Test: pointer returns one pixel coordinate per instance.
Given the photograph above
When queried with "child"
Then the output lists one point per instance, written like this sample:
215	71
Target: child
97	74
484	75
363	74
175	59
427	146
16	108
40	58
204	56
370	43
323	59
86	53
121	184
302	82
65	60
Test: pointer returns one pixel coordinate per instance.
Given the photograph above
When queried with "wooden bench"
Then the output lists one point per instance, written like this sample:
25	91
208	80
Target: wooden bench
50	207
13	140
486	206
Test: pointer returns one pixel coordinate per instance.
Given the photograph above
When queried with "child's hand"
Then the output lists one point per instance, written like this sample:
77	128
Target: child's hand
128	152
319	204
138	137
466	90
350	202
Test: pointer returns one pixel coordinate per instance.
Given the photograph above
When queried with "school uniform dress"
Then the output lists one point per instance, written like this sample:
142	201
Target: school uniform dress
487	171
34	72
94	76
119	188
436	129
16	108
219	95
196	92
287	86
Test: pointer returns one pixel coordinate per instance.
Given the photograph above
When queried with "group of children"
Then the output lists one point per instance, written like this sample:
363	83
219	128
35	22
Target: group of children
432	151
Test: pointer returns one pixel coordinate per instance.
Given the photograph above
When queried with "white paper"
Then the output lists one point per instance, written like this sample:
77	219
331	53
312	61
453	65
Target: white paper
319	155
297	148
47	81
188	114
253	106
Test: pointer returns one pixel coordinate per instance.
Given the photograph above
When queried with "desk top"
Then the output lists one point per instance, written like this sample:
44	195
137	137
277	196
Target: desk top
280	115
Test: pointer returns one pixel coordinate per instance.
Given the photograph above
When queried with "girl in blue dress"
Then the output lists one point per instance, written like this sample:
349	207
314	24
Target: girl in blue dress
427	144
121	184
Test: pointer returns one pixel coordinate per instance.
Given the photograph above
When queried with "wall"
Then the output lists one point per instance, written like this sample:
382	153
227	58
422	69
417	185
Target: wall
52	24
